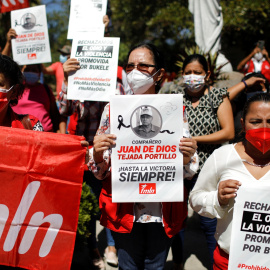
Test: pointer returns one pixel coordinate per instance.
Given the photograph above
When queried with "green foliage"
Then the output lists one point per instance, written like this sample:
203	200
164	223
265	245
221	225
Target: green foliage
58	26
168	24
251	16
88	208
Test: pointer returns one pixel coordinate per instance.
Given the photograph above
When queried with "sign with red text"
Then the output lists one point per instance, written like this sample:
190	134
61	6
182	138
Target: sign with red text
8	5
40	186
32	43
97	76
86	16
147	165
250	239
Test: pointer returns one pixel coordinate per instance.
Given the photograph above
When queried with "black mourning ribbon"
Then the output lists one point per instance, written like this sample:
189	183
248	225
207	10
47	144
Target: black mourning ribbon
120	121
166	130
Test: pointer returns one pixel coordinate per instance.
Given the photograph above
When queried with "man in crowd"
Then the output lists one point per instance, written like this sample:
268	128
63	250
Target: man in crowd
257	61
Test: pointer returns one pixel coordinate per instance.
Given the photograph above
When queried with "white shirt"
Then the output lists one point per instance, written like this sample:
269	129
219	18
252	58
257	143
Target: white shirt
225	163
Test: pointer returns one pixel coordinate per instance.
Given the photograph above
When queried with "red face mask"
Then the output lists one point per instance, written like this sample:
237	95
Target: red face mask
3	98
260	138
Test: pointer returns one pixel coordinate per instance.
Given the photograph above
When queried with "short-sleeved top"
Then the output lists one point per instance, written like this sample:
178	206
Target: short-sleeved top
36	101
203	119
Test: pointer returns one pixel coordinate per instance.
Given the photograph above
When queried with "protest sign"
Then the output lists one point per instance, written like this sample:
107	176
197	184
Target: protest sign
32	43
147	165
96	78
86	16
250	239
8	5
40	185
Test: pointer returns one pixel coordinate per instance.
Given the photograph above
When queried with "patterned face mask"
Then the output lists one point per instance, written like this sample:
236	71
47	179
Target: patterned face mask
194	83
192	79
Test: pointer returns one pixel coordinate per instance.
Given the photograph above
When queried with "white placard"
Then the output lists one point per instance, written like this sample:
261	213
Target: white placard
250	239
86	16
32	44
96	79
147	165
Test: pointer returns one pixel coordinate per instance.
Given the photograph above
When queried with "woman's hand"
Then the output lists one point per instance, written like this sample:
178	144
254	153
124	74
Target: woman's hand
226	190
71	65
11	34
106	22
100	144
253	81
188	147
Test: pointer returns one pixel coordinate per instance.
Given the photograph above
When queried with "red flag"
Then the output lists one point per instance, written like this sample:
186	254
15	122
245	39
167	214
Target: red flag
40	186
8	5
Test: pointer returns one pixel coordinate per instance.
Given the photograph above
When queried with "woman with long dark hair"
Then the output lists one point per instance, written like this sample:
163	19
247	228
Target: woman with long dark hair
228	168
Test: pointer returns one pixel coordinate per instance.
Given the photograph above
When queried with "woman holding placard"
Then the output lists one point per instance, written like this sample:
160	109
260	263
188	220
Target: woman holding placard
231	166
142	231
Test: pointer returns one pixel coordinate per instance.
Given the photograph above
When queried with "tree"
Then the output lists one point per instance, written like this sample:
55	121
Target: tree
58	25
245	22
167	24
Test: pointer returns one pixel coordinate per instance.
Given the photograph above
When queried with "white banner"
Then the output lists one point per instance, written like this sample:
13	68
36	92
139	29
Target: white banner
86	16
97	77
250	239
32	44
147	165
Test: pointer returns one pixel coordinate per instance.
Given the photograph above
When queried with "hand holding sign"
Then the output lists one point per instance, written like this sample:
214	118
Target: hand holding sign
71	65
226	190
188	147
101	143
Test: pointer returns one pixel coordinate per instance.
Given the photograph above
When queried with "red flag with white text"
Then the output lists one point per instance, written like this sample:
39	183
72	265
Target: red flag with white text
8	5
40	186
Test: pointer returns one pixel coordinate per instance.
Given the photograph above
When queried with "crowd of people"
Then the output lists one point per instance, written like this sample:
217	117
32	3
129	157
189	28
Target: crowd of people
219	153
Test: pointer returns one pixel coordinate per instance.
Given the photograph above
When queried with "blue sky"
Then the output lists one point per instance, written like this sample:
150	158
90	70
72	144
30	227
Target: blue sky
53	5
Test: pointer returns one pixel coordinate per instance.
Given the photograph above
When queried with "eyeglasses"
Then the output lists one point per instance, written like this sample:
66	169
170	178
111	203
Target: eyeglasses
140	67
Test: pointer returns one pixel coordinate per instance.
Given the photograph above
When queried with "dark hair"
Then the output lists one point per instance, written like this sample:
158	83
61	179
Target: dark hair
260	97
157	55
196	57
258	75
12	73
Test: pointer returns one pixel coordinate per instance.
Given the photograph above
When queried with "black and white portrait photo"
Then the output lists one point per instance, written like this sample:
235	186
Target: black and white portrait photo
146	122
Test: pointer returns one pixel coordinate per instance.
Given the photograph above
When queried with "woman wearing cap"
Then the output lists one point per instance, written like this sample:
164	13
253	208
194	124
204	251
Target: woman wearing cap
142	241
57	67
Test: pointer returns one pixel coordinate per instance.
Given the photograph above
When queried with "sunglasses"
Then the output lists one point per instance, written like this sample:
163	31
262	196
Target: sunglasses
140	67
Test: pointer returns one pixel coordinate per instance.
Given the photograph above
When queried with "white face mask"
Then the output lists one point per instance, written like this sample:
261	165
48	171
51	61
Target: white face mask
139	82
258	56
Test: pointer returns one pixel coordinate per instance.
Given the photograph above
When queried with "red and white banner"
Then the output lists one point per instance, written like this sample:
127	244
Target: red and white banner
8	5
40	186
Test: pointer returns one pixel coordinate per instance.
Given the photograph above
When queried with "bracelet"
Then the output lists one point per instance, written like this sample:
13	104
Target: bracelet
245	84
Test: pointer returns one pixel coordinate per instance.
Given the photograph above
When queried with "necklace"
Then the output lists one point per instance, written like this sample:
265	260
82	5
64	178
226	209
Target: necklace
256	165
